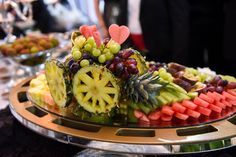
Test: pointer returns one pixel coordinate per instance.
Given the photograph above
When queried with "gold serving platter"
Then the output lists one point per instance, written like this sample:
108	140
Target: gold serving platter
166	140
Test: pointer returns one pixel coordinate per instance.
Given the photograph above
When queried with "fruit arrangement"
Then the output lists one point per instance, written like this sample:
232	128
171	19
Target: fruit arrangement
103	83
28	45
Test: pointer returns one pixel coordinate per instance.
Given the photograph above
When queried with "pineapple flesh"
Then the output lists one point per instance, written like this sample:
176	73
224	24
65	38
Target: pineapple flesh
96	89
58	82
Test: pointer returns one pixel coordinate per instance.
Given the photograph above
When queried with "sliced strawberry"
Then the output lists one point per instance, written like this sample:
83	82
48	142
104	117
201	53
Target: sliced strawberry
97	38
204	111
178	107
200	102
167	110
181	116
155	115
193	113
206	98
215	108
189	104
138	114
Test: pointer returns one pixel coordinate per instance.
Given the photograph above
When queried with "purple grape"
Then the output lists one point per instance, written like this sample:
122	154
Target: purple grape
86	56
106	40
211	89
219	89
131	61
222	83
125	74
112	67
132	69
91	61
216	79
127	53
74	68
119	68
70	62
108	63
117	60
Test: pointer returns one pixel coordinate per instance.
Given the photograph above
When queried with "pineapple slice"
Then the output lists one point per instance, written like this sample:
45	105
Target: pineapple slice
96	89
58	82
141	65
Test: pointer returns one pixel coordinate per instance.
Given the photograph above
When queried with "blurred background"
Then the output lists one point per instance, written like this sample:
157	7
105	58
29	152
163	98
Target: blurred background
196	33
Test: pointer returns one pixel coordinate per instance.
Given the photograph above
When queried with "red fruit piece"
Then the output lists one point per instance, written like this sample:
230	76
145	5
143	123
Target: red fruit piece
226	103
189	104
206	98
200	102
165	117
213	96
167	110
229	96
231	92
97	38
177	107
119	33
48	99
154	115
84	31
215	108
220	104
193	113
144	118
181	116
219	95
138	114
204	111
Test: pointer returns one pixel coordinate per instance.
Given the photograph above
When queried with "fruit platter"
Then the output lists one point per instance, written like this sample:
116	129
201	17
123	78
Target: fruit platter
104	92
30	50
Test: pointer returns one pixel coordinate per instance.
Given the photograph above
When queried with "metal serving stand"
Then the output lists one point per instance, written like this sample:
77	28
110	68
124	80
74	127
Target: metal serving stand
121	139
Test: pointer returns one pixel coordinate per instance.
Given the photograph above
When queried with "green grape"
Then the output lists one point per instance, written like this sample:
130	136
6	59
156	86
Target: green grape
91	41
102	58
79	41
88	47
76	54
106	50
84	63
109	56
115	48
96	52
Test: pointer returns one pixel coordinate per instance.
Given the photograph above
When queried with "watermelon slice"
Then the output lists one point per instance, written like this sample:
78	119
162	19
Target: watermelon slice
215	108
204	111
155	115
166	118
206	98
177	107
213	96
231	92
181	116
226	103
229	96
138	114
189	104
219	95
167	110
220	104
200	102
97	38
193	113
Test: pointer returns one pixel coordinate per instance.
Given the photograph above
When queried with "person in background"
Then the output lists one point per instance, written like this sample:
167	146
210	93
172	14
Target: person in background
229	47
165	27
206	31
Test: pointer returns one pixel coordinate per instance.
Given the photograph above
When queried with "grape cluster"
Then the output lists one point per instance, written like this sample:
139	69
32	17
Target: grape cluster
217	84
85	60
104	53
155	66
122	65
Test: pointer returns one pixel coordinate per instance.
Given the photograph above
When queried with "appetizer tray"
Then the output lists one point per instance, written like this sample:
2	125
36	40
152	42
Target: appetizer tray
210	136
